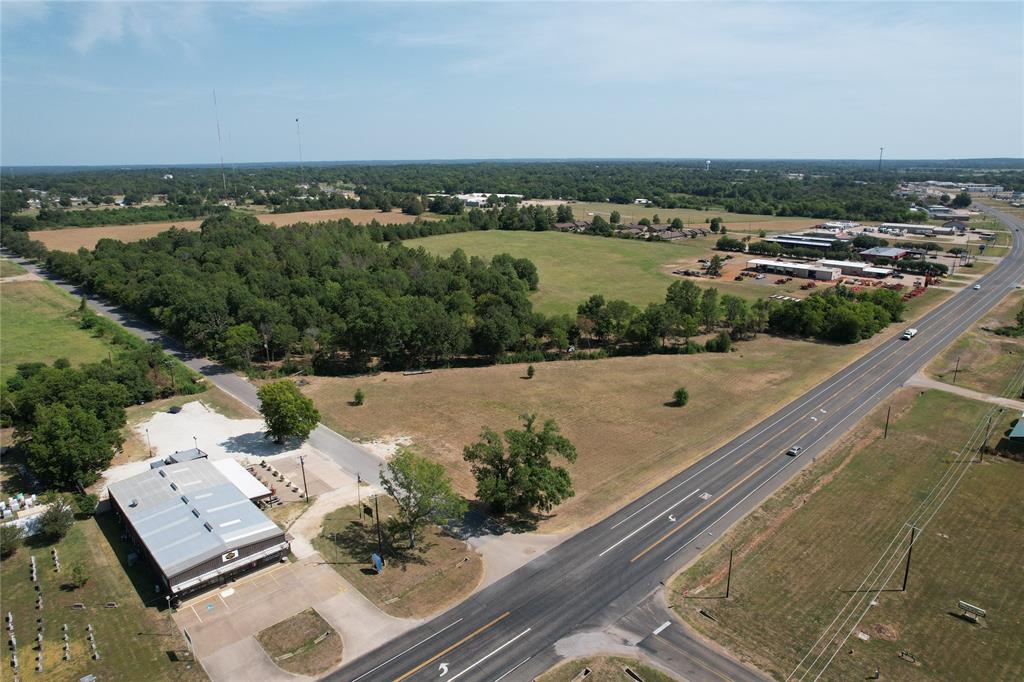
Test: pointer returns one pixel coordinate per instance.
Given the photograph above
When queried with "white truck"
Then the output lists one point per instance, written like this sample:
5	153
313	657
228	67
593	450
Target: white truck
908	334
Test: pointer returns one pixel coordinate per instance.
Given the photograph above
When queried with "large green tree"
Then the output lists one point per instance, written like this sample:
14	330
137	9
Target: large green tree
68	446
517	474
287	412
422	491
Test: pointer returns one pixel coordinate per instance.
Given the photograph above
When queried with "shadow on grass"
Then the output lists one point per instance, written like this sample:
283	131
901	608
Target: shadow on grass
476	522
138	573
353	544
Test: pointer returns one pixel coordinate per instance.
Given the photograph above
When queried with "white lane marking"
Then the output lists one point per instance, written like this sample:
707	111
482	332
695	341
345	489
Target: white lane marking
649	523
455	677
661	627
443	669
397	656
518	666
667	492
671	518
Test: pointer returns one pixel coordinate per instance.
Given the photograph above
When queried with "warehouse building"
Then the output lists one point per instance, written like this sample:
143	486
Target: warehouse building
807	241
196	523
892	252
849	267
805	270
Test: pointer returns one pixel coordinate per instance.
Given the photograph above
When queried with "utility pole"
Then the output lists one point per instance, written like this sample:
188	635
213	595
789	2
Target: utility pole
906	571
956	369
888	414
302	465
149	443
728	576
380	542
880	150
359	497
302	170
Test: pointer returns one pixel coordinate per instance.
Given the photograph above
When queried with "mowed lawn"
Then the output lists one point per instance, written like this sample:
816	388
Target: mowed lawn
9	268
135	640
799	556
573	266
37	327
986	360
613	410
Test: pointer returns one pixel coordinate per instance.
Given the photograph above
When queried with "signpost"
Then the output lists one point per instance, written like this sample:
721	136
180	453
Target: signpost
971	612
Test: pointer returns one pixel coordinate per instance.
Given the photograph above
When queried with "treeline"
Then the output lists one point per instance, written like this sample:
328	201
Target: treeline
837	314
243	291
68	420
48	218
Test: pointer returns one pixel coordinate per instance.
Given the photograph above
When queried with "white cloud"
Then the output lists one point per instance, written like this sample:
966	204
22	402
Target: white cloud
14	14
153	25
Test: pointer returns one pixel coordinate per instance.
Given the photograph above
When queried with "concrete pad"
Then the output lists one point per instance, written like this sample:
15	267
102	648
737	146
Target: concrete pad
245	660
503	554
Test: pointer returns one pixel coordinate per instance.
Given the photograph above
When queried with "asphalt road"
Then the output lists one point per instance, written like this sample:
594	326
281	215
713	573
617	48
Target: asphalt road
346	454
603	574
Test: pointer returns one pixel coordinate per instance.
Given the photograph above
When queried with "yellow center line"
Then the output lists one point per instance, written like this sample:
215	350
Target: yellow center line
692	658
692	516
459	643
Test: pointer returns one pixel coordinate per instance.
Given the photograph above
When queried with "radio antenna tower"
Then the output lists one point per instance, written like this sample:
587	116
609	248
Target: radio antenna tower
220	144
880	150
302	170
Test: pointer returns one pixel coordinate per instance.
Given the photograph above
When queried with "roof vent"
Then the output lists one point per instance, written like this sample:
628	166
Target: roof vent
162	472
184	499
206	524
133	503
174	486
195	513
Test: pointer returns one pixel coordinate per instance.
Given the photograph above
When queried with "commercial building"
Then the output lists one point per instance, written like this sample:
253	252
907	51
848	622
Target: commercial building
892	252
805	270
196	523
849	267
914	228
807	241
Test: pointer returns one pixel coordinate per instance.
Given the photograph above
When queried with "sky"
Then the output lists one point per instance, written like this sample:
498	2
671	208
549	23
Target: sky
133	83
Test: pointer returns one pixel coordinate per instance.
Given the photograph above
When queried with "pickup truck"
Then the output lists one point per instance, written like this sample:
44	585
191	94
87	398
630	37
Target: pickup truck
908	334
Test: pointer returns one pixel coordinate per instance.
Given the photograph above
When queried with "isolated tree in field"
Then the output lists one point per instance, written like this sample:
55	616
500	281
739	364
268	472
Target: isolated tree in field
422	491
56	521
286	411
715	266
680	397
359	397
517	474
961	200
716	224
11	537
656	219
677	223
68	446
530	372
615	218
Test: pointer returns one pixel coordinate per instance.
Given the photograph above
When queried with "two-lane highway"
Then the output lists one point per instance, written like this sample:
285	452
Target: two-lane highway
508	630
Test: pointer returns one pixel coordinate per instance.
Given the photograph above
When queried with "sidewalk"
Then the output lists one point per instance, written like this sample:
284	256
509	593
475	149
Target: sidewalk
922	381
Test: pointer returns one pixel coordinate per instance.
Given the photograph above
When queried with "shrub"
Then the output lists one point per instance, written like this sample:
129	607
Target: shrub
680	397
85	505
529	372
359	397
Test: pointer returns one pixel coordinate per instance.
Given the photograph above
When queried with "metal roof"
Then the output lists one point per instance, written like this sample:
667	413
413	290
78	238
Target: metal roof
884	252
1018	429
188	513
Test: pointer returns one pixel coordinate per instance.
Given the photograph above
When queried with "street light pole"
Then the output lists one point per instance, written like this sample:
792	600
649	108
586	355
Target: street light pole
302	465
359	497
380	541
149	443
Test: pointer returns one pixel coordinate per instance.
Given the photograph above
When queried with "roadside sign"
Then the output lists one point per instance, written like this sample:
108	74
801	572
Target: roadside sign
378	563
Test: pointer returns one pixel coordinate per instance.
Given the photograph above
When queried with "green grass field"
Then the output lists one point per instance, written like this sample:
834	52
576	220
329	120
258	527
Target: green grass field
572	266
37	327
800	555
136	641
9	268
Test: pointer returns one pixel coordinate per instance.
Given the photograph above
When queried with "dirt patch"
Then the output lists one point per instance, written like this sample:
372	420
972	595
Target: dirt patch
304	644
886	632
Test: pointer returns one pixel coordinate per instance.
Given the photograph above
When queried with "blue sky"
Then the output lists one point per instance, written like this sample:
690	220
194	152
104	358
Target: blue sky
131	83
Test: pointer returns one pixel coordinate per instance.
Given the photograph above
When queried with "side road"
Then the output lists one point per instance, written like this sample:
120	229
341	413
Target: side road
346	454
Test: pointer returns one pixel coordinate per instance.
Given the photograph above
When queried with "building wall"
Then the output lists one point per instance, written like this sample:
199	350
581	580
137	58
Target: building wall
216	562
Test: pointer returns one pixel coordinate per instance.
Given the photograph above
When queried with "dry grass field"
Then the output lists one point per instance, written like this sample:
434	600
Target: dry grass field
986	359
74	238
613	411
800	556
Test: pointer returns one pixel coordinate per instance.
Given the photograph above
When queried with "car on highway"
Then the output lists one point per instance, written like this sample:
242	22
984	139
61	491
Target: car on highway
794	451
977	287
908	334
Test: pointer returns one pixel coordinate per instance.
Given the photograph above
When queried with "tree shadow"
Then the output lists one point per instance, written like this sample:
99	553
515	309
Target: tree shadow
256	444
477	522
355	543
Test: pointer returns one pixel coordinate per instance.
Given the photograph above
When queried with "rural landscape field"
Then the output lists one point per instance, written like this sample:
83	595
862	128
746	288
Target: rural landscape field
509	342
